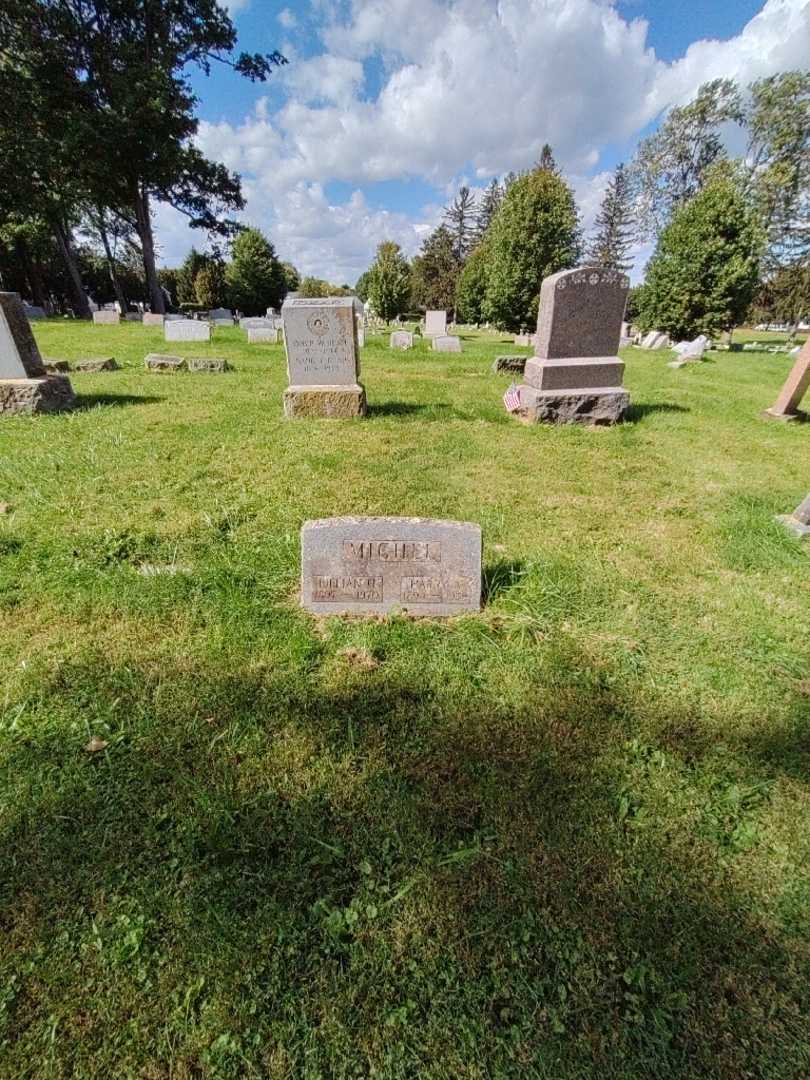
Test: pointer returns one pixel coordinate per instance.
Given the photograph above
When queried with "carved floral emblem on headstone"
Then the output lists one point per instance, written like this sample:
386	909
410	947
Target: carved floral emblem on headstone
318	323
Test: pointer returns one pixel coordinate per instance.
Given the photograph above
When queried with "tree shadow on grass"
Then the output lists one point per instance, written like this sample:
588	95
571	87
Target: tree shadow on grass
93	401
373	873
638	411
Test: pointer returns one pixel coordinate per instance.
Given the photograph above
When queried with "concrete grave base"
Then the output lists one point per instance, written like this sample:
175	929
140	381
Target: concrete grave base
324	402
159	362
207	364
27	396
798	528
575	373
786	418
598	405
106	363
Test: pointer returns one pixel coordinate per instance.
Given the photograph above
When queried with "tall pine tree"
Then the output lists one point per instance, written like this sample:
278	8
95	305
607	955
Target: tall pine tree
461	219
613	229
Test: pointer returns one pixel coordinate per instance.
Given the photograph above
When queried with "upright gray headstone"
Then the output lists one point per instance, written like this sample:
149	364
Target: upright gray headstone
105	317
263	336
576	375
220	316
25	386
444	343
435	323
152	318
323	367
186	330
368	565
401	339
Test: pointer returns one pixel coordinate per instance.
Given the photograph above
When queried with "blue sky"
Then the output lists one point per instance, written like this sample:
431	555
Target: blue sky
386	107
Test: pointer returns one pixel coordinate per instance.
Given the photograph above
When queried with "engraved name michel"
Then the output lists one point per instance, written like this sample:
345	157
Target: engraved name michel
417	588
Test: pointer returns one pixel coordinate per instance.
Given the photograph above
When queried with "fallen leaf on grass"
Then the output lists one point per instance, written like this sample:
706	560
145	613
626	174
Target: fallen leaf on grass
96	744
4	508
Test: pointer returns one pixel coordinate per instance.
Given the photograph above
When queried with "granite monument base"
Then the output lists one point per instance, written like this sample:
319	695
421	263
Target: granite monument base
325	402
595	405
51	394
574	373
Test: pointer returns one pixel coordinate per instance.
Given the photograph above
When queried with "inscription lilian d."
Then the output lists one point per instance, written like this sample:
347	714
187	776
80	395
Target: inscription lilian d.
329	590
393	550
376	565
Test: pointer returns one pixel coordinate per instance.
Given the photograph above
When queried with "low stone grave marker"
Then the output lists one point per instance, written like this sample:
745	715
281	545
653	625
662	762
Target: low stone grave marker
375	565
509	363
576	376
786	406
401	339
106	318
256	322
447	344
435	323
101	363
220	316
208	364
161	362
186	330
323	366
151	318
25	384
523	340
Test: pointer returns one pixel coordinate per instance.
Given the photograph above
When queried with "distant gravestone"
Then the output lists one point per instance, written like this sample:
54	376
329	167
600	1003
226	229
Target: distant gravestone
208	364
25	385
576	376
401	339
263	336
220	316
786	406
523	341
256	322
106	318
447	344
361	331
152	318
101	363
35	312
367	565
509	363
162	362
186	330
435	323
655	340
323	367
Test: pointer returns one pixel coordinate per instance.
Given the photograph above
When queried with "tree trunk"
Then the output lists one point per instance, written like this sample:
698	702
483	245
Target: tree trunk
31	272
64	241
116	283
144	225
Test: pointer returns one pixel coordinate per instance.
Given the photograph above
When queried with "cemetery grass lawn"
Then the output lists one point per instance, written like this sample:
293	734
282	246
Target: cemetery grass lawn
565	838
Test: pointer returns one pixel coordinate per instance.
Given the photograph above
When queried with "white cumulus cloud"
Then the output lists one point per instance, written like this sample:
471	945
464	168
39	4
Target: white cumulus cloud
468	87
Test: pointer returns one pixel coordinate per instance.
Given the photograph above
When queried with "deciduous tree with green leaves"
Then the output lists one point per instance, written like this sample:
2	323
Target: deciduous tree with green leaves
390	285
472	286
535	233
704	272
254	276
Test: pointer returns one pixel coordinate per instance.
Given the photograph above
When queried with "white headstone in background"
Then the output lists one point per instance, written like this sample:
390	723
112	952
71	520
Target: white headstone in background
435	323
447	344
186	330
106	318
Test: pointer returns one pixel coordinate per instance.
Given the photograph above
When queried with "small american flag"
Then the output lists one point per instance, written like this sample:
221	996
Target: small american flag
511	398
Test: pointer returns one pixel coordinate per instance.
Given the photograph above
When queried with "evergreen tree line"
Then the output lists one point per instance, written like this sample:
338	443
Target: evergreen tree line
98	125
732	235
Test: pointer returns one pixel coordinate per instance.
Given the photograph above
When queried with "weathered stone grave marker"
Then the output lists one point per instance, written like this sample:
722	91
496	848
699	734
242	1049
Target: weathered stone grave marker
220	316
576	376
263	336
323	367
25	385
786	406
435	323
186	330
445	343
373	565
401	339
152	318
799	521
106	318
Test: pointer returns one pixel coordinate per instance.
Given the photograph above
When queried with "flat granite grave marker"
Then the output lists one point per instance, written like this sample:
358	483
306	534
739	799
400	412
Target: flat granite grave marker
25	385
262	335
435	323
374	565
323	367
106	318
576	376
152	318
786	406
186	330
220	316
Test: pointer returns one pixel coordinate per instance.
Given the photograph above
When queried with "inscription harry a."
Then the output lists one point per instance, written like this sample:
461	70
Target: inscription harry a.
375	565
